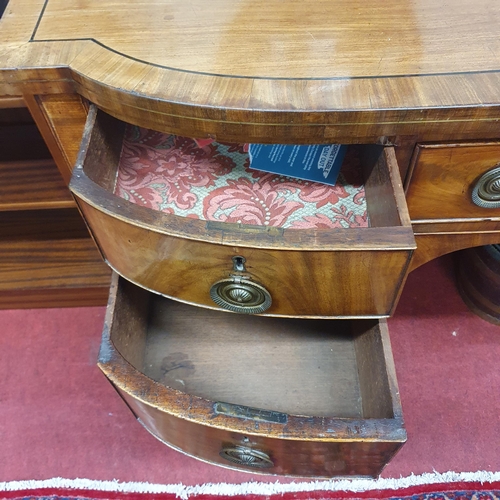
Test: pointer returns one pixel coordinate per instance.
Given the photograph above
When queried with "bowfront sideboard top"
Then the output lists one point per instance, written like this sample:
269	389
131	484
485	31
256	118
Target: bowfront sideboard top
263	71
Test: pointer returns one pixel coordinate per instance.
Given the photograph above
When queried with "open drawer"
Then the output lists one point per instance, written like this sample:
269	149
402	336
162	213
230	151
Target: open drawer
315	267
268	395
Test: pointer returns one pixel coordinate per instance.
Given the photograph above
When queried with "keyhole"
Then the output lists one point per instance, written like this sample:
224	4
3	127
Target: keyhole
239	263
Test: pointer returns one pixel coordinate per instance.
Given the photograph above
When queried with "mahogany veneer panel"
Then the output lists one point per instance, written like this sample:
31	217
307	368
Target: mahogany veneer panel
48	260
479	281
60	119
394	71
441	180
433	244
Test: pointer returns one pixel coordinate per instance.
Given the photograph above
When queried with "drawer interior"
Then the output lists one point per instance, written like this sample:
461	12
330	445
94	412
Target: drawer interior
174	175
299	367
213	181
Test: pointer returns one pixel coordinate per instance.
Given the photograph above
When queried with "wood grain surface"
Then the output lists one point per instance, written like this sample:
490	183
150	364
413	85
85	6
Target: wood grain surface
47	258
12	102
479	281
33	184
48	273
60	120
434	244
266	70
391	73
279	39
442	177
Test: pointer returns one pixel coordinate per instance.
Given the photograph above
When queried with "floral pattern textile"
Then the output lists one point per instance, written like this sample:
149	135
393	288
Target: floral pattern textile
213	181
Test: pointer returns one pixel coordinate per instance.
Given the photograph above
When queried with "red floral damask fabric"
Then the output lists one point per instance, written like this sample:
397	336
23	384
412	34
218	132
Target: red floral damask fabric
213	181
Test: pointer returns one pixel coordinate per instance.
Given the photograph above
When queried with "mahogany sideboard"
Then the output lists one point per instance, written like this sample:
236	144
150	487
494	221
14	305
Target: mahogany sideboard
256	346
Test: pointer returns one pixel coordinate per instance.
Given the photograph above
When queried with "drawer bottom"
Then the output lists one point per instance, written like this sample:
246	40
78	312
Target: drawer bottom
314	398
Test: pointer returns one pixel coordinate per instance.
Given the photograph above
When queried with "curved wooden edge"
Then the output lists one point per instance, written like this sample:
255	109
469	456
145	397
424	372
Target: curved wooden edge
241	110
431	246
475	308
201	411
319	98
241	235
260	110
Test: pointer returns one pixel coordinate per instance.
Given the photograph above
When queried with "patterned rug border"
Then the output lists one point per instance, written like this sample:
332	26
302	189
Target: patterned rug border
483	481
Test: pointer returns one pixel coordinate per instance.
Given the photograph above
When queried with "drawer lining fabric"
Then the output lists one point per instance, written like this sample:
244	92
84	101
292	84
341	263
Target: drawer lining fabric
212	181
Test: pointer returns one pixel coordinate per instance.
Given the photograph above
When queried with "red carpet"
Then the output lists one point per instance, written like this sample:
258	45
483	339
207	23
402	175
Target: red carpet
61	418
461	494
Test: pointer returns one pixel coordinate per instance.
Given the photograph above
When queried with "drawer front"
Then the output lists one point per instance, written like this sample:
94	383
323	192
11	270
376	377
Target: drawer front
339	283
454	181
327	271
265	455
266	395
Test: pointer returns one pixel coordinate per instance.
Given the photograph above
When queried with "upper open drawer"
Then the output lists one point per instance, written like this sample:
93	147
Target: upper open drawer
302	249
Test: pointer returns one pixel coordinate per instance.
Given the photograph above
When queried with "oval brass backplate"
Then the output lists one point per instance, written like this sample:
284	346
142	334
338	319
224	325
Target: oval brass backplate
242	455
486	192
241	295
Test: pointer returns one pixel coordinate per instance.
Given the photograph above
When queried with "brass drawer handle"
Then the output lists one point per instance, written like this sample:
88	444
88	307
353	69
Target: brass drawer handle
486	192
246	456
241	295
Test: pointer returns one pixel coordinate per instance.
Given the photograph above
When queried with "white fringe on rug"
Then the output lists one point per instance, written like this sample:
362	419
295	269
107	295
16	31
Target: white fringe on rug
256	488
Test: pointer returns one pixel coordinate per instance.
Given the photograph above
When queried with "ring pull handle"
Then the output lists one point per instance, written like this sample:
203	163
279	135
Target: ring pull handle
241	295
242	455
486	192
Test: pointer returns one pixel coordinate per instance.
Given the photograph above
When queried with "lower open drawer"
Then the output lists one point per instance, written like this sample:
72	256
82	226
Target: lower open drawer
298	397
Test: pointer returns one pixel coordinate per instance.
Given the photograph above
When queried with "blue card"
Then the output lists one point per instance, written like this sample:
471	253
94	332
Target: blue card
318	163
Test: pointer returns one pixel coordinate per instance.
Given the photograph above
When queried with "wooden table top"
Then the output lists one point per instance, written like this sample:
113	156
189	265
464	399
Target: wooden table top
273	61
